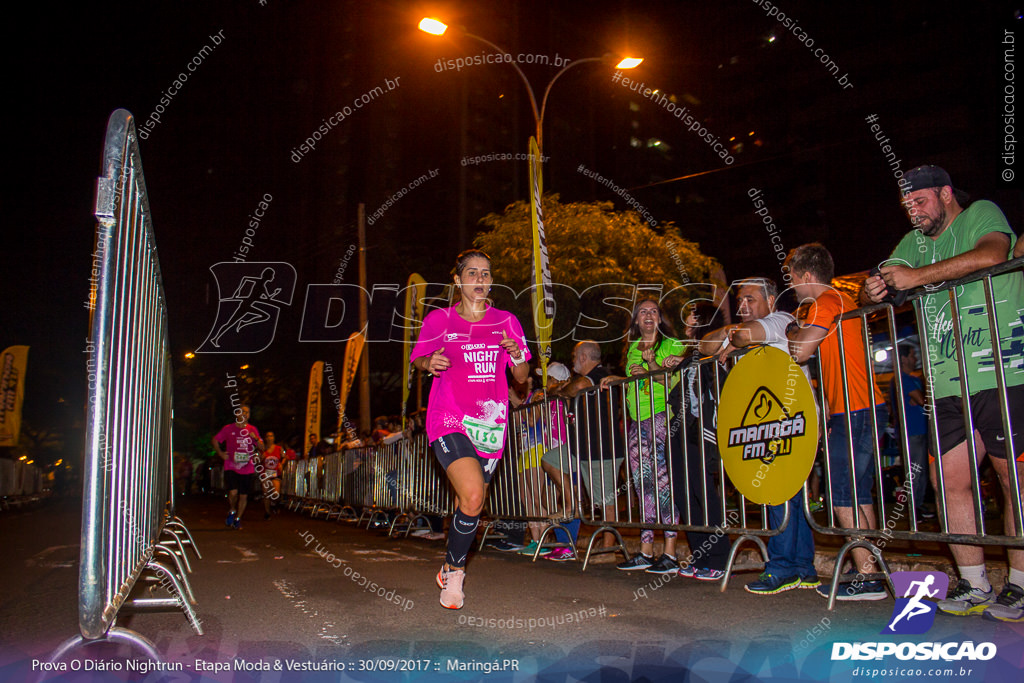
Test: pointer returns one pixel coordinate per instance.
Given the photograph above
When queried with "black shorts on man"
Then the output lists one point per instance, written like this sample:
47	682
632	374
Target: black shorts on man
987	416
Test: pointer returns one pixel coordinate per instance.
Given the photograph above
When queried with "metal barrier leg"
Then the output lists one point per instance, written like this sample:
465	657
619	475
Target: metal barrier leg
180	551
423	517
181	573
621	545
734	550
174	586
394	523
176	524
557	544
487	530
374	516
841	558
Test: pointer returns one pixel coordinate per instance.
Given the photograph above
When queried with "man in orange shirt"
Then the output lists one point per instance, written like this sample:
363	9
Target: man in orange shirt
812	269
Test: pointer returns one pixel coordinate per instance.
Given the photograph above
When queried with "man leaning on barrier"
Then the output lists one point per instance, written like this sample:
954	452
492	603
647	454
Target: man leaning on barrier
791	552
949	242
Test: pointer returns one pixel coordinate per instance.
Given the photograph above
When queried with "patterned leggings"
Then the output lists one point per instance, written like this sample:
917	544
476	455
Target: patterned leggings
651	471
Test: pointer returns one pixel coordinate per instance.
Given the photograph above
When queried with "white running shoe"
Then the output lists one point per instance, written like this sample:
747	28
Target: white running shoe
450	583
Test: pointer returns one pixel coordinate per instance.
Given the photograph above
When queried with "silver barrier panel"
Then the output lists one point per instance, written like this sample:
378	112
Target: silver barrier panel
687	469
385	460
520	488
315	480
301	478
332	478
649	481
19	482
432	494
288	470
362	476
128	440
8	477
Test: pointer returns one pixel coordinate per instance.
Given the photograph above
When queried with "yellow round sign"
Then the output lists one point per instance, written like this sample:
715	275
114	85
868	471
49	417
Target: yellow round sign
767	426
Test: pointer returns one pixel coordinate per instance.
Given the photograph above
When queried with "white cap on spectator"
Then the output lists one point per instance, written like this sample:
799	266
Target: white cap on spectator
557	371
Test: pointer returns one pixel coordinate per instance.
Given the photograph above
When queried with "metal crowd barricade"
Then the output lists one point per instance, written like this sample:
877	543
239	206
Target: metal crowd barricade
20	483
422	487
396	478
366	487
891	517
520	490
378	485
399	481
688	469
295	482
288	470
128	493
331	482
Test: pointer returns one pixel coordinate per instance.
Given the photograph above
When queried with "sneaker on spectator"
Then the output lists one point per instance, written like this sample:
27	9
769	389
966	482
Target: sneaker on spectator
687	572
561	555
450	583
666	564
709	575
230	521
237	524
1009	605
639	561
769	584
532	548
503	545
966	600
864	590
810	581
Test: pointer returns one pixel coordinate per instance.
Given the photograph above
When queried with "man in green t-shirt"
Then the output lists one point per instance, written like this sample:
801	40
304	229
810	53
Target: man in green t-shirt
950	242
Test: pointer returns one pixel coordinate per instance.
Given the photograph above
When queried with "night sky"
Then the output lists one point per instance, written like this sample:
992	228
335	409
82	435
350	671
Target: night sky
932	72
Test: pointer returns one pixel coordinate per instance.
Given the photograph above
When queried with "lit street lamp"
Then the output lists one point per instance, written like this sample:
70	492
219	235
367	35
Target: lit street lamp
437	28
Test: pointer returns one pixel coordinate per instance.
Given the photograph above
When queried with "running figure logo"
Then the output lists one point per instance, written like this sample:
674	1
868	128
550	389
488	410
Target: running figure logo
247	319
912	613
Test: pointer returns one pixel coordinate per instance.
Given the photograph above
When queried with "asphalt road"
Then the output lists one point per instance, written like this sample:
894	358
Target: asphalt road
266	598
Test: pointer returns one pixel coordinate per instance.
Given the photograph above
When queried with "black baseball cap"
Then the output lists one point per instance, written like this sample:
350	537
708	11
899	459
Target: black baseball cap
923	177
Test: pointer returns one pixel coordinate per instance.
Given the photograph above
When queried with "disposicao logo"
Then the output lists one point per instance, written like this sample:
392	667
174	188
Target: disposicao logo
913	615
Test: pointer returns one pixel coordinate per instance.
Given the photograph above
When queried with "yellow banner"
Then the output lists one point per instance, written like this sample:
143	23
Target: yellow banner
542	296
316	377
13	362
767	426
415	290
353	350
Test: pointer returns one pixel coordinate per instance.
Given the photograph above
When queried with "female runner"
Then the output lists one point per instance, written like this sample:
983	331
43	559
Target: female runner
467	348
